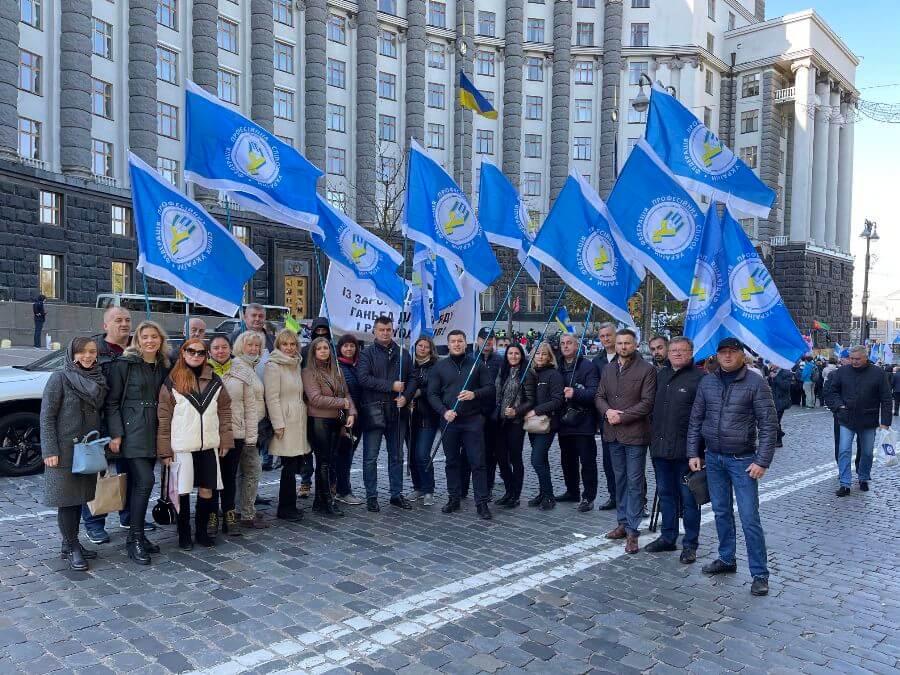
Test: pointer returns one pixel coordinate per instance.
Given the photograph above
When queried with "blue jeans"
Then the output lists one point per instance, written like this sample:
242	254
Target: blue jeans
629	463
727	477
845	454
669	487
422	470
371	448
540	449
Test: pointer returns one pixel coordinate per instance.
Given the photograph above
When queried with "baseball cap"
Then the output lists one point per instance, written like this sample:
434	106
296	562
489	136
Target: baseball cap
730	343
486	333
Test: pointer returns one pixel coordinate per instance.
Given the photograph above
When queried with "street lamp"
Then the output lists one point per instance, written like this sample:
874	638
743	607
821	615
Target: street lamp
641	102
870	234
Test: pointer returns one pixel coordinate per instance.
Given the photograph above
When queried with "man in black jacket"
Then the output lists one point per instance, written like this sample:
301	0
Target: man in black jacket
607	335
491	360
460	404
384	371
732	404
676	388
40	315
859	395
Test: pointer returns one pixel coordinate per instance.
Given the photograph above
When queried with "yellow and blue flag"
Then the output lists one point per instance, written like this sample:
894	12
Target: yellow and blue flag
562	320
470	97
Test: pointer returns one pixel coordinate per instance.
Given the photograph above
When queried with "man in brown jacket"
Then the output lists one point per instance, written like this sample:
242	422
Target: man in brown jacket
625	400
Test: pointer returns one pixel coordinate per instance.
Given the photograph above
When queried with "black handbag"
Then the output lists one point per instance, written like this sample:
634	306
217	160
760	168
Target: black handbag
696	483
264	431
164	512
574	415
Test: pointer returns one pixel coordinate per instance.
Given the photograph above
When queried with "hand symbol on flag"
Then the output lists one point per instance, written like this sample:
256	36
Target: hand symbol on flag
357	250
453	222
712	148
698	291
256	160
181	229
668	227
753	287
601	259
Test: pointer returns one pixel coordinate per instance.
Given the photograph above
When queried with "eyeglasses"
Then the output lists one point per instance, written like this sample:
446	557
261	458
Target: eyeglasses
195	352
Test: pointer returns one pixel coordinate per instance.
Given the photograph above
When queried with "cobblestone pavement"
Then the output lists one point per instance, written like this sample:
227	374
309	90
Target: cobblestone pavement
420	592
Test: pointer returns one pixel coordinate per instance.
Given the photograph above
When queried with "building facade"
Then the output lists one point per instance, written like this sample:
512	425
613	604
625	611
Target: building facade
349	84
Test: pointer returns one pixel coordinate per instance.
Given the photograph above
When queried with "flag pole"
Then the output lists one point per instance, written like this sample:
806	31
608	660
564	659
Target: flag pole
146	294
324	298
587	320
562	292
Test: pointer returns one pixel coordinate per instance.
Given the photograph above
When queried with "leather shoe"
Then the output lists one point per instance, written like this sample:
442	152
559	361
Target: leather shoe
760	586
293	516
451	506
631	544
568	497
608	505
864	485
484	512
503	500
719	567
260	501
401	502
150	546
512	503
688	556
617	533
372	505
85	553
842	491
548	503
138	552
253	524
585	506
76	559
660	545
536	500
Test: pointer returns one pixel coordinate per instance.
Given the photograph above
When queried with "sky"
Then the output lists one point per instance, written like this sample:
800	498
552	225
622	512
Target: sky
871	29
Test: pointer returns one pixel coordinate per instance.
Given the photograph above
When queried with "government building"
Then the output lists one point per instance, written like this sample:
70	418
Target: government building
348	84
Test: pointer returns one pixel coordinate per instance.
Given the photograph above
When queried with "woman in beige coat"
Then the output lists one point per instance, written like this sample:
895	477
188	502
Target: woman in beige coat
287	412
248	349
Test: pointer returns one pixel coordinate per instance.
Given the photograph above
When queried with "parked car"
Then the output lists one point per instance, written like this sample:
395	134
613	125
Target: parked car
21	389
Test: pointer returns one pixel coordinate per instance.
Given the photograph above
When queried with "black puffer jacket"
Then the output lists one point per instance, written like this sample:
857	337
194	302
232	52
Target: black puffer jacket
545	385
859	397
727	418
675	394
377	370
131	404
423	415
781	389
585	385
446	380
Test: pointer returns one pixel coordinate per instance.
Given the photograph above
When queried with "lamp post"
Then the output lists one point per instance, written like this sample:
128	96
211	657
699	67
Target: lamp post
870	234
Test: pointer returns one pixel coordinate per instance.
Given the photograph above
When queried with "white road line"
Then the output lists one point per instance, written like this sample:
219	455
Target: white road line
581	555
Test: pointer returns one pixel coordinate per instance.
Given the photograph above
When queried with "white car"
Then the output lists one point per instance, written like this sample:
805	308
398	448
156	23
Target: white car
21	390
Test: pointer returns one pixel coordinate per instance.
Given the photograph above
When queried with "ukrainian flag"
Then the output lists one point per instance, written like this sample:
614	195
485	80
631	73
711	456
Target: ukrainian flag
562	320
470	97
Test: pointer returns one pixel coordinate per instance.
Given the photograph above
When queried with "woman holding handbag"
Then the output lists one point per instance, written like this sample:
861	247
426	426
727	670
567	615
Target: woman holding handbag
423	422
248	349
330	410
194	432
348	357
514	400
546	383
70	409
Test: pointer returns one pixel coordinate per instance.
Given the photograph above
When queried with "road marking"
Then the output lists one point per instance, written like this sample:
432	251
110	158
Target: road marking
580	556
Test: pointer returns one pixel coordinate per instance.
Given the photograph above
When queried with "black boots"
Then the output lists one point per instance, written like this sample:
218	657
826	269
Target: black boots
185	542
323	501
205	506
137	551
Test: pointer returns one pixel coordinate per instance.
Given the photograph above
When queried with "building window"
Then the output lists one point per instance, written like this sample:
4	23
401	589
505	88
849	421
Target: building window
747	226
533	299
283	12
708	86
29	138
484	61
732	21
102	39
166	120
387	128
535	66
581	147
168	169
387	168
749	121
50	211
387	86
387	44
750	85
387	6
531	184
29	72
50	275
435	136
284	104
484	142
30	13
337	117
635	70
640	34
488	300
587	4
749	156
101	158
241	233
584	34
284	57
535	30
640	4
437	57
584	110
437	14
337	199
337	29
228	86
121	222
707	117
228	35
533	145
287	140
436	98
711	9
336	73
336	161
101	98
584	72
630	143
710	43
167	13
121	276
635	117
534	108
166	65
487	24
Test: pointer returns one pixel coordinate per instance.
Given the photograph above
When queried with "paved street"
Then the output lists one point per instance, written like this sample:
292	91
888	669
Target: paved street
419	592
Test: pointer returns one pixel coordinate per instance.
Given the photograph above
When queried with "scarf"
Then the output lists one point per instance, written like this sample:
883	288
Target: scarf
346	361
89	383
219	369
251	361
510	392
423	362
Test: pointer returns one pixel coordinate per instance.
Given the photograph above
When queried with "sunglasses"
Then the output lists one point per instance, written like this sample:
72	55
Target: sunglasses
195	352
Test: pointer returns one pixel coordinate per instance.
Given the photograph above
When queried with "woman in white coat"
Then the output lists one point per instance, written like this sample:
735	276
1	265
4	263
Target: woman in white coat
287	412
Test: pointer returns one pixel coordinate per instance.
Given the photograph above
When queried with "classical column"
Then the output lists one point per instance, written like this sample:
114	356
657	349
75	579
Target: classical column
75	87
9	76
512	92
206	62
769	151
366	98
262	64
416	71
316	16
820	165
142	139
845	177
462	117
801	181
609	95
560	100
760	10
831	180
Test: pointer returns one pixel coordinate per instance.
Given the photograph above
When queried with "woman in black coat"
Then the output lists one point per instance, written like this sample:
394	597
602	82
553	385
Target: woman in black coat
513	402
423	422
547	384
70	409
348	349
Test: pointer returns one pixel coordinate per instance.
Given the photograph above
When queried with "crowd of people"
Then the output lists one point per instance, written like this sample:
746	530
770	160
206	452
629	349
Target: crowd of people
213	411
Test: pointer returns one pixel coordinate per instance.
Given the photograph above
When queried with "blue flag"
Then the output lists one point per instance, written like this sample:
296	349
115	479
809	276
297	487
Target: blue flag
442	285
181	244
659	219
759	317
223	150
439	216
578	242
700	160
360	252
421	320
504	217
562	320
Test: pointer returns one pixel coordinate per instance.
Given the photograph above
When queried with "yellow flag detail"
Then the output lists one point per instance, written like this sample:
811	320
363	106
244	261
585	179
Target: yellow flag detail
697	291
256	161
601	259
752	288
453	222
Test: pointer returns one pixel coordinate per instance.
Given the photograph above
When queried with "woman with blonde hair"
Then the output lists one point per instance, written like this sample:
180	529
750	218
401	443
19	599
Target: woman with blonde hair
546	389
248	348
287	412
131	421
